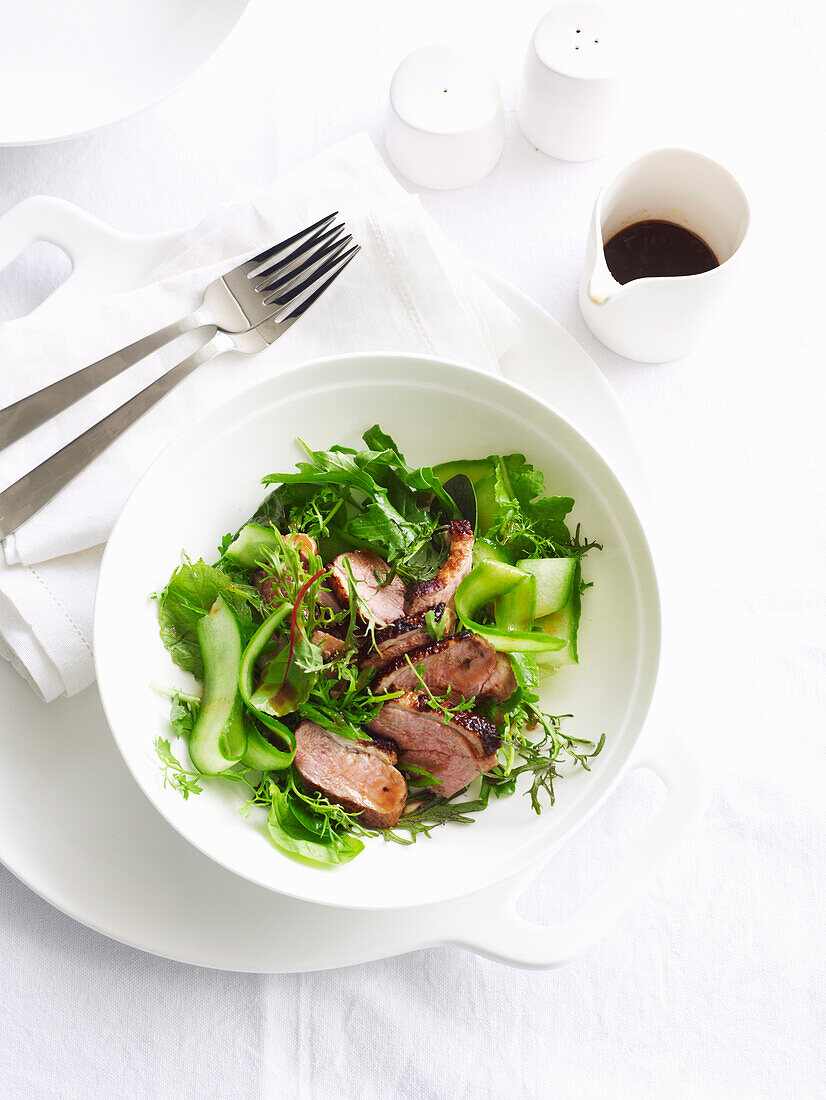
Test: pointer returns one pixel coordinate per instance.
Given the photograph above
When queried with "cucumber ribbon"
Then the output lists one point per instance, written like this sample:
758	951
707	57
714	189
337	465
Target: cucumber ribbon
514	595
249	545
218	738
261	754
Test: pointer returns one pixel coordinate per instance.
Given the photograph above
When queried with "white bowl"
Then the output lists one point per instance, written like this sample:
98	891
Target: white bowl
67	69
207	482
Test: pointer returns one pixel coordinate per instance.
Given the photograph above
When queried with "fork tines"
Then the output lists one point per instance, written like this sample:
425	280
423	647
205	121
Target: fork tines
250	268
276	289
320	244
288	277
298	300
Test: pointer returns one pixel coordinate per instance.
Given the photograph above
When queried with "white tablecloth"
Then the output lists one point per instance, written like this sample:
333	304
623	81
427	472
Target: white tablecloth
713	985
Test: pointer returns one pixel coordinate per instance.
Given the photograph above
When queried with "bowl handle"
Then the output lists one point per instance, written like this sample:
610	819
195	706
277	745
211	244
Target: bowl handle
95	248
44	218
488	923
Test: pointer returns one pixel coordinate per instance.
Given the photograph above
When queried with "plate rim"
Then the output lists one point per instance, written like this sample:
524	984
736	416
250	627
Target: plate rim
392	937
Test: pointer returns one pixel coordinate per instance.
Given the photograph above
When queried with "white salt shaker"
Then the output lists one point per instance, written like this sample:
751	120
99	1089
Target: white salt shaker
446	124
571	100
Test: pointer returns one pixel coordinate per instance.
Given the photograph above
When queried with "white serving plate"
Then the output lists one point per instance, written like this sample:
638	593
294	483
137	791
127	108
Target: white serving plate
90	843
68	68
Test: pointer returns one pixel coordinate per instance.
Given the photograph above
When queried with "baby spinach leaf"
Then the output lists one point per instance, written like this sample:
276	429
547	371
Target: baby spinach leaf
271	510
284	688
192	590
290	834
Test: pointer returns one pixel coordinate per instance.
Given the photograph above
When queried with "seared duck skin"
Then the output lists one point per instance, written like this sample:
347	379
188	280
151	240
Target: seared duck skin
397	638
442	588
453	750
463	663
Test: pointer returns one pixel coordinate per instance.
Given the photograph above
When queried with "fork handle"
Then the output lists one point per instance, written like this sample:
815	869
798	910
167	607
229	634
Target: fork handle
30	412
28	495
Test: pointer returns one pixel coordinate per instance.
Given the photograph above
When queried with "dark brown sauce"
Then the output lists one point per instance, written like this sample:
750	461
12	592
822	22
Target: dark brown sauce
652	249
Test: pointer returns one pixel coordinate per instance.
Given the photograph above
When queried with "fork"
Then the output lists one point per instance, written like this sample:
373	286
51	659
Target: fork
291	296
235	302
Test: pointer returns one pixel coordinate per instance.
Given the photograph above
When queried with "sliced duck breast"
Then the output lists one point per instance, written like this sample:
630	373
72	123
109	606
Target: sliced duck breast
265	584
331	645
384	600
397	638
442	587
358	775
271	594
453	750
463	663
501	683
304	544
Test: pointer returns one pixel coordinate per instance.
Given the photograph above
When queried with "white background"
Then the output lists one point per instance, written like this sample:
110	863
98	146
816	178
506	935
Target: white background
714	983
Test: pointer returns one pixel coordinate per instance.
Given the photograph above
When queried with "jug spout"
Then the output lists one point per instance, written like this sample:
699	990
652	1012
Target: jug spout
602	286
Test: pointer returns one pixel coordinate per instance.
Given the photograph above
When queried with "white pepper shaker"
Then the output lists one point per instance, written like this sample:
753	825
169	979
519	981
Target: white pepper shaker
446	124
571	102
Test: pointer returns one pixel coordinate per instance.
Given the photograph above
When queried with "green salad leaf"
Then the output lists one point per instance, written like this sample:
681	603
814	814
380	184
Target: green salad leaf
378	440
463	495
192	590
370	499
175	774
419	479
538	755
342	702
523	483
290	832
301	650
273	510
435	627
182	715
527	527
431	811
310	826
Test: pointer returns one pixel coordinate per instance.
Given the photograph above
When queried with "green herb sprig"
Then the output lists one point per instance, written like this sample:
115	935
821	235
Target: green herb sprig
342	702
541	757
428	814
175	774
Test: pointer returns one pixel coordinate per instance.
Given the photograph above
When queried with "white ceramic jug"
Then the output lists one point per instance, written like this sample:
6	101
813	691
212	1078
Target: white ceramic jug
655	320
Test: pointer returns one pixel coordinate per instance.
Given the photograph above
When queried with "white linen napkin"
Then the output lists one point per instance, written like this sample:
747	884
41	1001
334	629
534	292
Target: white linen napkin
408	290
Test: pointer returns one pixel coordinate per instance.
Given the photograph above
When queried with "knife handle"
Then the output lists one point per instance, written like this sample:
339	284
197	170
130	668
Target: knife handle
28	495
30	412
